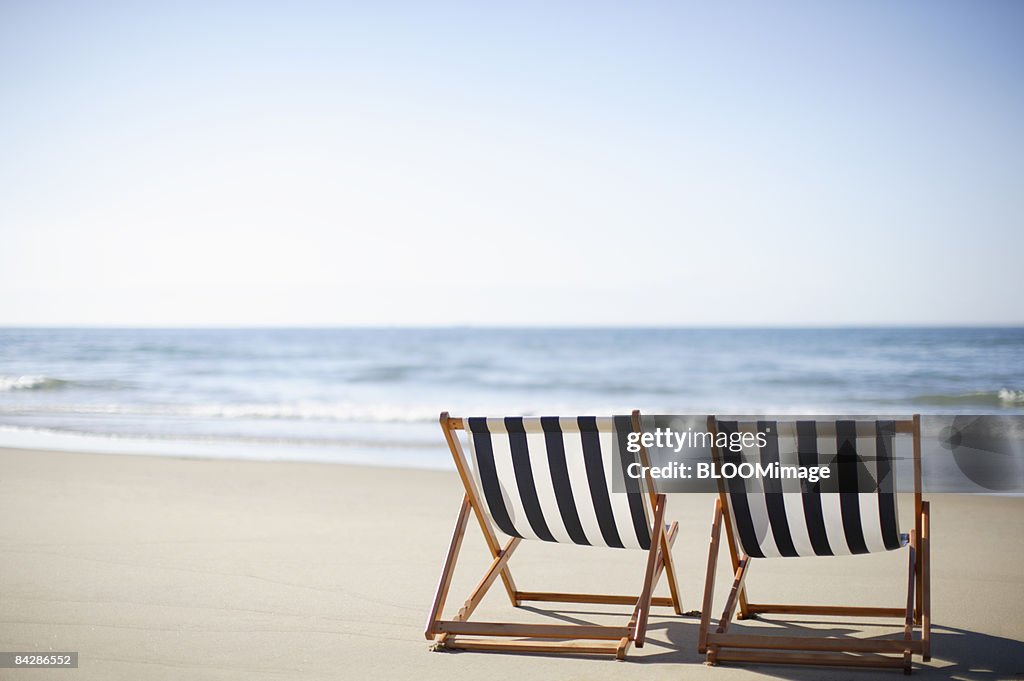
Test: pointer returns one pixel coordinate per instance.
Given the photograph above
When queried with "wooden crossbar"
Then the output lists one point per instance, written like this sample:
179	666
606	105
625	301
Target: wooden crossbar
836	610
499	646
823	659
600	599
564	631
849	645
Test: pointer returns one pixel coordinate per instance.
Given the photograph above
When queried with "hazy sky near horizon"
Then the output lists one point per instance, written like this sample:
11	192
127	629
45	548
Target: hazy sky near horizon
303	163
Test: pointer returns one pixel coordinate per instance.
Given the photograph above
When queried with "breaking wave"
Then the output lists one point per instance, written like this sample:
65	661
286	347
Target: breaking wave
11	383
1004	397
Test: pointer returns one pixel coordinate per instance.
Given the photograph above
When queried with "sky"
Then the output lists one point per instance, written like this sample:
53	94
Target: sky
549	163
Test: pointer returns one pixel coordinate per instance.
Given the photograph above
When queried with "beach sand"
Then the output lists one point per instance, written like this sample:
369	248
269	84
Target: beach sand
164	568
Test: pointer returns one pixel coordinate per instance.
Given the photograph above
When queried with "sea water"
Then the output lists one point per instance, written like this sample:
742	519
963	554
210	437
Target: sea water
373	395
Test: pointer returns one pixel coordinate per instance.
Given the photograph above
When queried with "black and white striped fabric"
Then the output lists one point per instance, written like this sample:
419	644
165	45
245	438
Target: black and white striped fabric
551	478
852	512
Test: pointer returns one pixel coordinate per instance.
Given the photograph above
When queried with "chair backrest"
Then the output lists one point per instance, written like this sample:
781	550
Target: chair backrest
551	478
853	511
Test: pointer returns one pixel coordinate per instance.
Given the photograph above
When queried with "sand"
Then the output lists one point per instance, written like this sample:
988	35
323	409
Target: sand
164	568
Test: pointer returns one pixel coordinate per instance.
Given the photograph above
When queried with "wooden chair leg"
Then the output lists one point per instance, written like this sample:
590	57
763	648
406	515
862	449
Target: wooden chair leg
488	579
644	602
919	570
730	605
734	556
459	457
445	582
926	586
709	579
490	576
626	641
670	571
734	594
908	625
498	567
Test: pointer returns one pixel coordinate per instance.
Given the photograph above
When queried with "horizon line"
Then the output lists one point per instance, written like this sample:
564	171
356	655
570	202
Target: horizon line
538	327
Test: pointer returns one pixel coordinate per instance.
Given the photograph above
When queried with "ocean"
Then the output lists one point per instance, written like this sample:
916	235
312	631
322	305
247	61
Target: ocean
373	395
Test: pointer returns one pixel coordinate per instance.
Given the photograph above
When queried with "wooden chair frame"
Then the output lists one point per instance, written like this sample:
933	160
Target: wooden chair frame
721	646
554	638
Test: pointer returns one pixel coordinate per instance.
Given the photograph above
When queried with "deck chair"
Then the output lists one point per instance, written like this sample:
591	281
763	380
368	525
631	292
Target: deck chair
550	478
855	512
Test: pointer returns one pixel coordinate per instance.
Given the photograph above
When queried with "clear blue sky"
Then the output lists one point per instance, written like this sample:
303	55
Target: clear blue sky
179	163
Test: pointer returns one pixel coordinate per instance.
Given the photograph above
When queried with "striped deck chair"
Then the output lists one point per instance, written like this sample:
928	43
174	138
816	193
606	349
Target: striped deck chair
853	512
551	479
